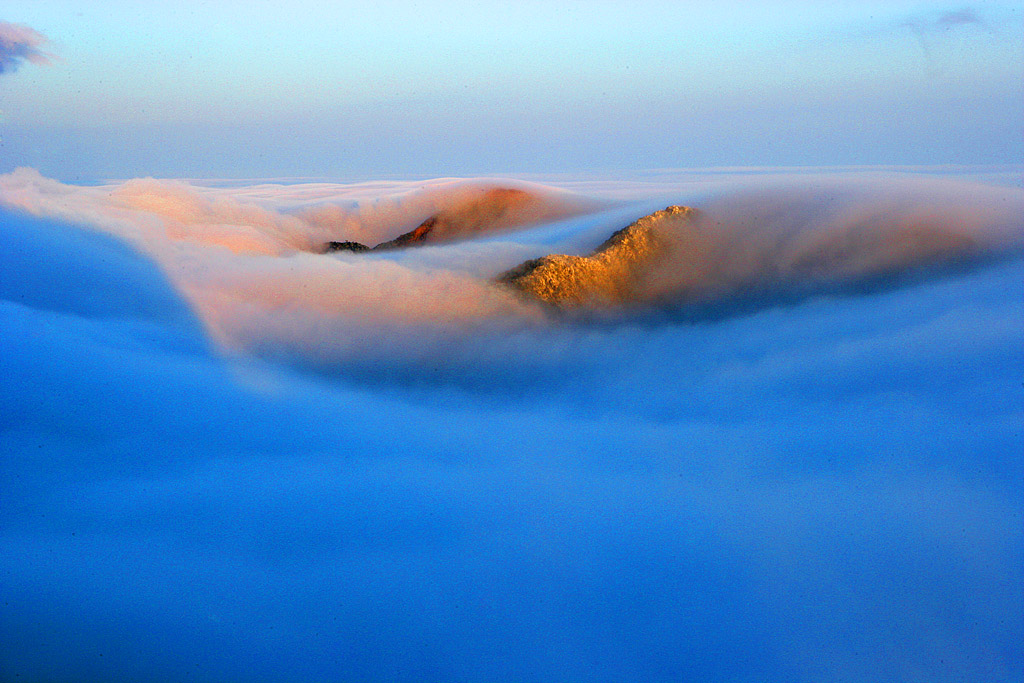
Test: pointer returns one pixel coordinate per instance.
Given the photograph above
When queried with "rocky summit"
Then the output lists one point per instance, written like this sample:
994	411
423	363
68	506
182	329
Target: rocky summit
345	246
611	275
494	209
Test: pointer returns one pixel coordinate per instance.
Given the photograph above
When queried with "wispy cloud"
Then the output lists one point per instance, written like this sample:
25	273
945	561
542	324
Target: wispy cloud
959	18
924	23
18	44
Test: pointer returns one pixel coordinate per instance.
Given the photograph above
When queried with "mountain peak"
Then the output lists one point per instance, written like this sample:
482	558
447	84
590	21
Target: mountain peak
609	275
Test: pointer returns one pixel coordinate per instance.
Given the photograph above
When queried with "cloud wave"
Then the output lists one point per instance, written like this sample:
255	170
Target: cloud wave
250	271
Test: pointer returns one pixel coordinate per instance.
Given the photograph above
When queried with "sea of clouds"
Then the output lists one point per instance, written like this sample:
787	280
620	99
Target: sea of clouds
228	456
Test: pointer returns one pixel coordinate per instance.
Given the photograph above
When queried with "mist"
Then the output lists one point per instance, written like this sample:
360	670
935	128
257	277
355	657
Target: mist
794	455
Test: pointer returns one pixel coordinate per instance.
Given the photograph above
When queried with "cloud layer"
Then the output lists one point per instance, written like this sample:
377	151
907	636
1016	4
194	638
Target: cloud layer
825	487
247	259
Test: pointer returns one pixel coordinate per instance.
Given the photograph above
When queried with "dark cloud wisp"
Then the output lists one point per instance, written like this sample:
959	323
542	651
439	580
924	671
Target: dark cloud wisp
959	18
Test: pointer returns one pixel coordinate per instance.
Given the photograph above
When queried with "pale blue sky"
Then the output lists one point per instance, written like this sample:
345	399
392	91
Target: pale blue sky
438	88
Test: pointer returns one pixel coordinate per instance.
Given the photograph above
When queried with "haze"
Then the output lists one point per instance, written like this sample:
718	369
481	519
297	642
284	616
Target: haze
228	89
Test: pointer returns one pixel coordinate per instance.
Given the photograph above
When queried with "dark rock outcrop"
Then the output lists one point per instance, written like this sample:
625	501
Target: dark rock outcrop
413	238
491	210
345	246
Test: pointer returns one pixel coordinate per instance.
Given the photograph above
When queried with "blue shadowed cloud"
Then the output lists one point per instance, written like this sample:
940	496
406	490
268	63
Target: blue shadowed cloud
822	489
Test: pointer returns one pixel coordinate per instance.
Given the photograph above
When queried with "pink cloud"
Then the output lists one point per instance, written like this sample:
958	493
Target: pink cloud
19	43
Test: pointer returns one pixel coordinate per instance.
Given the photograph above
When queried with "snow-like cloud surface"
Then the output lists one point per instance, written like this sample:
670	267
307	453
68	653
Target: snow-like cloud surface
762	485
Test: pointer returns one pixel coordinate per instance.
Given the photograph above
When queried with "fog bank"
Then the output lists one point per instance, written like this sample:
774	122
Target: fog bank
819	486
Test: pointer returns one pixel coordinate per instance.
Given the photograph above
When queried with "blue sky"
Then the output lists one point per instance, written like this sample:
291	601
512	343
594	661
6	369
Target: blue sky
325	88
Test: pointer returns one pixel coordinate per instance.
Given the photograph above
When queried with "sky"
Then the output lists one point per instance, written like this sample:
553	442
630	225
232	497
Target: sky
210	89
